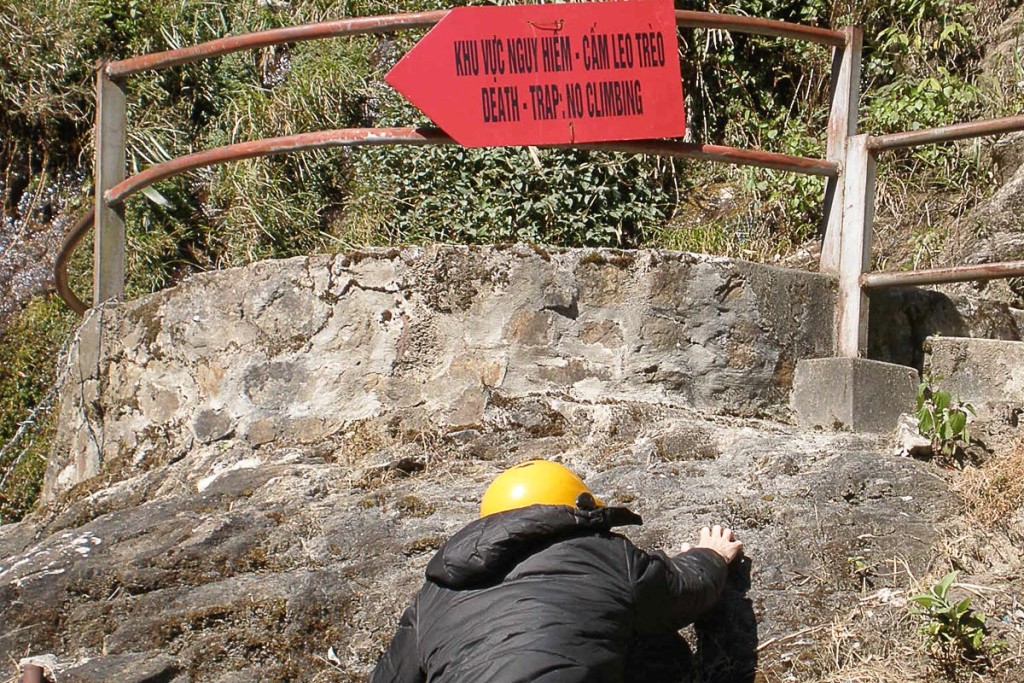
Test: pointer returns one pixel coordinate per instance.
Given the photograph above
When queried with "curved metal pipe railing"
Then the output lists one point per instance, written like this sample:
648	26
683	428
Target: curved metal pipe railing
60	266
387	23
301	142
758	26
353	137
121	70
291	34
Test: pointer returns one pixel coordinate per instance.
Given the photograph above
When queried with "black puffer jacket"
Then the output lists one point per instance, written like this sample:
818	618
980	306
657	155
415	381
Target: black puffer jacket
544	593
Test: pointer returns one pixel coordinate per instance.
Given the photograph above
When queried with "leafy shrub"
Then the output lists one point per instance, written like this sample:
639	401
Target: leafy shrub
570	198
953	632
941	419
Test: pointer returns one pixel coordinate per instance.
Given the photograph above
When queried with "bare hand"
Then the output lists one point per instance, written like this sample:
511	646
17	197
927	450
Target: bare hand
721	541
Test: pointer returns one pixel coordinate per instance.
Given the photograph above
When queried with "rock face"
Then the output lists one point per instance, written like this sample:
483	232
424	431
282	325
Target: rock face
242	563
297	350
901	321
255	467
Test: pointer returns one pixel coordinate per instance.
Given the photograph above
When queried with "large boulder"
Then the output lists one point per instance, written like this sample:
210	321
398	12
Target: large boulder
296	351
253	468
276	562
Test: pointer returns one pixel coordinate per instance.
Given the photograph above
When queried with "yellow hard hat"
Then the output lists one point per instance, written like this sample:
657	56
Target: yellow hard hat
537	482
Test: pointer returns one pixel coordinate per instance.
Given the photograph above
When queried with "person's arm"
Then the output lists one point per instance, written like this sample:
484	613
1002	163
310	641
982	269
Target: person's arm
400	663
672	592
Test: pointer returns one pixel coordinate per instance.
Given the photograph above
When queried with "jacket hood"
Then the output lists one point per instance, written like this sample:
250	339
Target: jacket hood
487	549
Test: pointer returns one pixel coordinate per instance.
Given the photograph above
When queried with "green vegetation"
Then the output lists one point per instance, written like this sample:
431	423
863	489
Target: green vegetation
510	195
27	350
941	419
954	633
742	90
920	69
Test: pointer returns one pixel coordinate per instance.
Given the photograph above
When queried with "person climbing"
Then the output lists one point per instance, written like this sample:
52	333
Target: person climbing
540	589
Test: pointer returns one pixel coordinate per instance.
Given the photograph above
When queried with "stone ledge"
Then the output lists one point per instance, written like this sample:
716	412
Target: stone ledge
984	372
852	393
298	351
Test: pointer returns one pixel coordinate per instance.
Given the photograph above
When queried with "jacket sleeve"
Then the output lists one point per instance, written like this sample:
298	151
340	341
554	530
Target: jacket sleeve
400	664
671	592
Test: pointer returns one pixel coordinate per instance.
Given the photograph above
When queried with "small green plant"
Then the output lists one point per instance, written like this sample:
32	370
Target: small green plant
861	569
953	632
941	419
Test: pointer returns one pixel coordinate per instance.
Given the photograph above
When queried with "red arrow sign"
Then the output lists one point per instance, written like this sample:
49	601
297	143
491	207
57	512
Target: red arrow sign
549	74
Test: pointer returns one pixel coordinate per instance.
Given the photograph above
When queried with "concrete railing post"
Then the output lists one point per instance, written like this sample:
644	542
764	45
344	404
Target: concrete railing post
109	252
842	123
855	248
849	391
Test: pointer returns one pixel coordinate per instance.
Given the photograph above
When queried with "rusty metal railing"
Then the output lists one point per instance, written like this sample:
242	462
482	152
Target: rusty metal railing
855	276
384	24
348	137
60	267
112	188
959	131
938	276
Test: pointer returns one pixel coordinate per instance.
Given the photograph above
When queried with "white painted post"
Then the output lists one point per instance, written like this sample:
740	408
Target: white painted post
109	251
855	248
842	123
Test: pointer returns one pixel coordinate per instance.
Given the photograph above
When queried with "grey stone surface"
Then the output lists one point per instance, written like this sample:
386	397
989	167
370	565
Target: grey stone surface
298	350
985	372
852	393
245	563
89	352
283	447
211	425
126	668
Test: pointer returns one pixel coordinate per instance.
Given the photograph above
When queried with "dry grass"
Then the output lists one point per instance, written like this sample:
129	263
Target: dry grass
994	493
875	642
878	641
